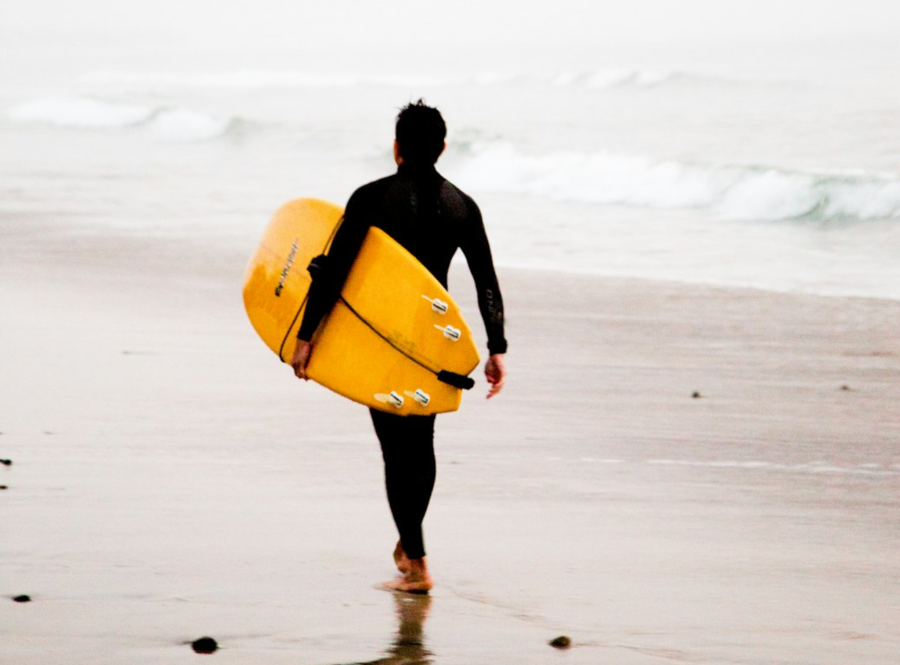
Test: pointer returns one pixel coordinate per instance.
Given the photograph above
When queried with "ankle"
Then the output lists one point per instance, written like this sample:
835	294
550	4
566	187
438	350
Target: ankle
418	567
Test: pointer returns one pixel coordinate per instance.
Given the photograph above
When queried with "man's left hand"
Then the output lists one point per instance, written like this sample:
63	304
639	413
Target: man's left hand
300	359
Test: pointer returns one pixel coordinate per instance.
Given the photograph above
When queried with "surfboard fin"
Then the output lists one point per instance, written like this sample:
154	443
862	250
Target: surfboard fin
451	333
437	305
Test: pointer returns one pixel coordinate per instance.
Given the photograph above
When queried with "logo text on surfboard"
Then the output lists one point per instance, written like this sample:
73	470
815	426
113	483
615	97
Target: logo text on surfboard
287	268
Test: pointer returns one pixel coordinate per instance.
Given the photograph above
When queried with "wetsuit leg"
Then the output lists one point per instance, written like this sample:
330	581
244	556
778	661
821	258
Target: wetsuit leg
407	446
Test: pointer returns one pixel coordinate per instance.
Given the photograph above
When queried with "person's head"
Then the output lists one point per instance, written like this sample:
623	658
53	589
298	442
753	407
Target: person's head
420	134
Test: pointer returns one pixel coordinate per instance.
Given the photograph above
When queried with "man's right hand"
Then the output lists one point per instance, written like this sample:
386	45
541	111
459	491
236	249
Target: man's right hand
495	373
300	359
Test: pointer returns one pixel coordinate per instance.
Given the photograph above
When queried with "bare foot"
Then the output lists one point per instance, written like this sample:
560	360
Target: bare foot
417	580
400	559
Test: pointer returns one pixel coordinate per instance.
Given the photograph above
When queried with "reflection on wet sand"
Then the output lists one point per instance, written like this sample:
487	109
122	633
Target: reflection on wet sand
408	647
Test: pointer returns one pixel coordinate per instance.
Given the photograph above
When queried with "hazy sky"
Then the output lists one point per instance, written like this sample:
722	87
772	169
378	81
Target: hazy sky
342	23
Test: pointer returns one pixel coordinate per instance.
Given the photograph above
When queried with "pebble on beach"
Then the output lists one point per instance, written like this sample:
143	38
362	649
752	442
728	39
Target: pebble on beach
204	645
561	642
6	462
22	599
845	387
696	395
3	487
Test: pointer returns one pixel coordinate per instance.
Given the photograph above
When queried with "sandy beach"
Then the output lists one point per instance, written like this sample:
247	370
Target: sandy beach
171	480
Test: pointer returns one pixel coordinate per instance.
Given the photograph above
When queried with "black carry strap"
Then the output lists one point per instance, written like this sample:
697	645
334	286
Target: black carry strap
456	380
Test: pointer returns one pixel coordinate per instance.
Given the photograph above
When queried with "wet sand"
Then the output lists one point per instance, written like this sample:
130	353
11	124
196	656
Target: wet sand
171	480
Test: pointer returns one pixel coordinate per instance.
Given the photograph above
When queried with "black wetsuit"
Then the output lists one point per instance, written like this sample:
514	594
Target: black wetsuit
431	218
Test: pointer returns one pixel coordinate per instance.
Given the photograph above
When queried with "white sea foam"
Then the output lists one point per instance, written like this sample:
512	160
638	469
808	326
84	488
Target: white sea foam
161	123
734	192
606	79
184	126
79	113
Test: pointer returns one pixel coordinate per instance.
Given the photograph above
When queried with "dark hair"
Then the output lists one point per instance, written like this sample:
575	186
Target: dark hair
420	133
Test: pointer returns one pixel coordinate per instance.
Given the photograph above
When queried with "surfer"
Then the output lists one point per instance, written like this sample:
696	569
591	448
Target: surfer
431	218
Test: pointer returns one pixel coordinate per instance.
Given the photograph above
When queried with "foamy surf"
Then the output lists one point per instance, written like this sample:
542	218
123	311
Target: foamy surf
732	192
79	113
166	124
610	78
185	126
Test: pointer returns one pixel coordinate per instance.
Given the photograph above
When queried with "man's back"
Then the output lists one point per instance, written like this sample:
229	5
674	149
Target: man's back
431	218
421	210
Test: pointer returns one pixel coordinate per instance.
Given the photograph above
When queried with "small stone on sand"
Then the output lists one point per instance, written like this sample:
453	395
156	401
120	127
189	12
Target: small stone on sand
561	642
6	462
845	387
204	645
696	395
3	487
22	599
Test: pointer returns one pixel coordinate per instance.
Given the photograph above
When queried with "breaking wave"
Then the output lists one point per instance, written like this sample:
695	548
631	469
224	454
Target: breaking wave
80	113
606	79
185	126
734	192
167	124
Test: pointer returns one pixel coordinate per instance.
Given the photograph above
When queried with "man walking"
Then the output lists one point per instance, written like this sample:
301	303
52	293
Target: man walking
431	218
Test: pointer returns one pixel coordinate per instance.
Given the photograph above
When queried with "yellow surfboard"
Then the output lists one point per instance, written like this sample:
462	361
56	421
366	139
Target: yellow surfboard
395	340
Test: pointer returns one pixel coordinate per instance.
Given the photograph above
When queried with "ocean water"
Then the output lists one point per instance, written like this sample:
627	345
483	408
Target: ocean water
688	148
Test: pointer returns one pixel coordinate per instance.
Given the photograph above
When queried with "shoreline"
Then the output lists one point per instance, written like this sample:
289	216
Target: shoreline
240	242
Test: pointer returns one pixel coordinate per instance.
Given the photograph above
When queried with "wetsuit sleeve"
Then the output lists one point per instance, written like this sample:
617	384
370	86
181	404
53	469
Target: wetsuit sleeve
475	246
327	285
